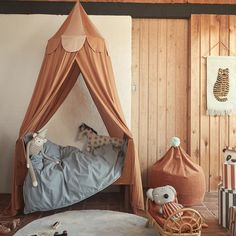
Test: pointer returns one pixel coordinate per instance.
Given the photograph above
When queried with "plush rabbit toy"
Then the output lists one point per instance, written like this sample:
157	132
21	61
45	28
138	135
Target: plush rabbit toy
34	147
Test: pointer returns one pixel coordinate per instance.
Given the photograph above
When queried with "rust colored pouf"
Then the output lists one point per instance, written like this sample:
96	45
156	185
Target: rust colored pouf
177	169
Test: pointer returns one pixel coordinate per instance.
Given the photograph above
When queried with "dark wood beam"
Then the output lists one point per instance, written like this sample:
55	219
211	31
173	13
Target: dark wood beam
136	10
147	1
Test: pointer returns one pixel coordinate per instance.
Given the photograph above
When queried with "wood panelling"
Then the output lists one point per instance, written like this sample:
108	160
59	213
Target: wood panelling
209	134
232	46
167	103
194	73
159	87
224	120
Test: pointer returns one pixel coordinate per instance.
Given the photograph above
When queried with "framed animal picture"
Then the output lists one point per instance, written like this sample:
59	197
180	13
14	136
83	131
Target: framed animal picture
221	85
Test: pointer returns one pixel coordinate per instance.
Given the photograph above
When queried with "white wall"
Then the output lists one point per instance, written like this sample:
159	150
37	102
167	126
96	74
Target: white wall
22	43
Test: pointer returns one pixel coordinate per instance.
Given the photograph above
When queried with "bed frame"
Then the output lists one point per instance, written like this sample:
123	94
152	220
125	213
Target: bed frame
125	181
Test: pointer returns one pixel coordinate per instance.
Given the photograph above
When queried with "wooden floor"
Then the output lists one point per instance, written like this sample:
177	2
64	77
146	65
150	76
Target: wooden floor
115	201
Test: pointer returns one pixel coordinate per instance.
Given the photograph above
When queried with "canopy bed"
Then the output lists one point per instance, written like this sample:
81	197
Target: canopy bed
76	48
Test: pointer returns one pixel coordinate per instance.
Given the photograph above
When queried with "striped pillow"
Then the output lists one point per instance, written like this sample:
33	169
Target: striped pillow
171	207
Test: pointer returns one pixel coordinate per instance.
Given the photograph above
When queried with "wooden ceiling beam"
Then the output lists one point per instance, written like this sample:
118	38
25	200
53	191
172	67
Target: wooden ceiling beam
146	1
135	10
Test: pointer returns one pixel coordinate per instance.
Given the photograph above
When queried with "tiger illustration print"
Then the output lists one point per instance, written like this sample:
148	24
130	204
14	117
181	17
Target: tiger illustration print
221	86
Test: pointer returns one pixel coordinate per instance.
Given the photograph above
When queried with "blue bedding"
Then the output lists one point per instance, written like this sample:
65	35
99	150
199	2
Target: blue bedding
78	176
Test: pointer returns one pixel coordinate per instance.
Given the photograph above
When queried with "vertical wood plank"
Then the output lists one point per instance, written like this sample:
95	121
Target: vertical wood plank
135	81
194	88
161	87
223	136
159	83
152	99
181	73
204	119
232	46
214	120
171	80
215	132
143	98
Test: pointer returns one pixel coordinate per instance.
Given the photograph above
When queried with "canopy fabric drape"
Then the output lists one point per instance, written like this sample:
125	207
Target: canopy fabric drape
76	48
50	91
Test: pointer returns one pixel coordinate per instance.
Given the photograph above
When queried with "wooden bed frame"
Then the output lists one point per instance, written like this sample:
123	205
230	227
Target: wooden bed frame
126	180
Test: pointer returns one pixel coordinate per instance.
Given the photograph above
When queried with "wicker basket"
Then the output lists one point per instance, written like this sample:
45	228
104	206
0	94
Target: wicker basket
188	224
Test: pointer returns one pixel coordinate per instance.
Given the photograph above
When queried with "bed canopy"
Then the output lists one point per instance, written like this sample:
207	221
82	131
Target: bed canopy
77	47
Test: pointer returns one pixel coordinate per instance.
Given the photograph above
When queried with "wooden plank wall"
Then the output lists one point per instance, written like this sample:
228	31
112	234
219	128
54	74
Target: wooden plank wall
169	100
159	87
209	134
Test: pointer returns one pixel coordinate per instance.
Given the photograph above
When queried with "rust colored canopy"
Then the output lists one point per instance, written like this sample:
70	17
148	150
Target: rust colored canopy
76	48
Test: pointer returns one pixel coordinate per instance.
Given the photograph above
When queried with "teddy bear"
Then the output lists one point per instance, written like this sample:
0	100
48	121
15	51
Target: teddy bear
34	147
165	200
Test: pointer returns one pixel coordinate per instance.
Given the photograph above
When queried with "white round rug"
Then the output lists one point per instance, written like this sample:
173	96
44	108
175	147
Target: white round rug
89	223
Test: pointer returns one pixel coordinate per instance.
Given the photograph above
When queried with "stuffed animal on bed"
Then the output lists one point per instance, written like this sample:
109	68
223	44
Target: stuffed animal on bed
165	199
94	140
34	147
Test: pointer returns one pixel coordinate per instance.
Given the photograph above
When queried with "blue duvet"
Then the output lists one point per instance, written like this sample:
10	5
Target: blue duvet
78	176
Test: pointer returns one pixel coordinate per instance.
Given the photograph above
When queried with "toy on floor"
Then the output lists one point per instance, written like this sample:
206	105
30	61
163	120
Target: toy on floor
64	233
8	226
94	140
165	199
169	217
4	229
56	225
34	147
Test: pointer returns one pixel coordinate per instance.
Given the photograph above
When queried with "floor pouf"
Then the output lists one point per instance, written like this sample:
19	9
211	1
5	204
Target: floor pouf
177	169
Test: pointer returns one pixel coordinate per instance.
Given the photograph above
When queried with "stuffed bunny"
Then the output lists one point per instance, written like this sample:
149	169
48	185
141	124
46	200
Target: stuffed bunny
34	147
164	199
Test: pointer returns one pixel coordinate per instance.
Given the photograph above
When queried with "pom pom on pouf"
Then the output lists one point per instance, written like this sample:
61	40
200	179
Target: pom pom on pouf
177	169
175	141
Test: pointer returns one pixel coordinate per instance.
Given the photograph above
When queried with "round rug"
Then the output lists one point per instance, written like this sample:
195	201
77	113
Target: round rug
89	223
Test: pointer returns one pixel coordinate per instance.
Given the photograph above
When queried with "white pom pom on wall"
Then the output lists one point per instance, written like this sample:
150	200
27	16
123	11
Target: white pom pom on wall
175	141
